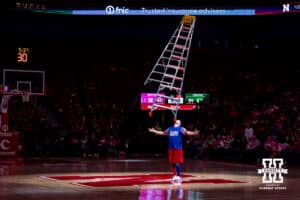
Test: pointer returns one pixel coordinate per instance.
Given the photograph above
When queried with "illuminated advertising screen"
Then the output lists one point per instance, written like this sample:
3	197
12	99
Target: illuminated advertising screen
157	8
178	100
196	98
149	98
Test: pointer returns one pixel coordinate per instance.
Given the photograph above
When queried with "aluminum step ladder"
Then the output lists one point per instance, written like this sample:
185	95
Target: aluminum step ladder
169	70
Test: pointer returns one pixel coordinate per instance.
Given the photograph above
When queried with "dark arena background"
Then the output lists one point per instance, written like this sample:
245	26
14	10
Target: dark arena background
73	120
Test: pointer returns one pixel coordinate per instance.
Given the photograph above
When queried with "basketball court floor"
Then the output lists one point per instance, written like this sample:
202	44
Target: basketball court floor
137	179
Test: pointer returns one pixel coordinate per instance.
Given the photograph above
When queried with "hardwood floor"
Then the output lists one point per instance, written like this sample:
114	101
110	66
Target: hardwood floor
137	179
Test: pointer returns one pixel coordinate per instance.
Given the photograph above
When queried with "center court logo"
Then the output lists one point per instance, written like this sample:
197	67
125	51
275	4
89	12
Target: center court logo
136	179
272	173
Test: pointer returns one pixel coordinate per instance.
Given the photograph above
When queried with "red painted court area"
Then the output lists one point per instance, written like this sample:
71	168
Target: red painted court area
139	179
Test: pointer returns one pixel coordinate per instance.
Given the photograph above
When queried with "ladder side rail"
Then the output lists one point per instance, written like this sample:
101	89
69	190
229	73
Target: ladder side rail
176	33
161	55
188	51
188	45
182	54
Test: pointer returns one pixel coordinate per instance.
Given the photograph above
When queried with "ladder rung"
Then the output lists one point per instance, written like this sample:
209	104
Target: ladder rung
178	57
176	67
163	57
156	72
174	77
164	107
178	46
182	37
170	87
162	65
185	31
185	27
178	52
159	81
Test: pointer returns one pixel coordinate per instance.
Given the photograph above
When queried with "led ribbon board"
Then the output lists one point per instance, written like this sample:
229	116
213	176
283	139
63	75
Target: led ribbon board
169	10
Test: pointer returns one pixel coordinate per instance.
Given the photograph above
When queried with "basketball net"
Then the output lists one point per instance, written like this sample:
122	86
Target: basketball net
25	96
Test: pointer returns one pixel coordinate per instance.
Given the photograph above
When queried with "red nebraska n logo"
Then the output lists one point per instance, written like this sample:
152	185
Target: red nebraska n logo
131	180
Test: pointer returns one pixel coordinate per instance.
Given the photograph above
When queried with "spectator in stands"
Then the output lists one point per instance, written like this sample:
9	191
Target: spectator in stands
248	132
253	149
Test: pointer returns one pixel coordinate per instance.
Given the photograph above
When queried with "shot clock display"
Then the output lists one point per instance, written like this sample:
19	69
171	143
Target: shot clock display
22	55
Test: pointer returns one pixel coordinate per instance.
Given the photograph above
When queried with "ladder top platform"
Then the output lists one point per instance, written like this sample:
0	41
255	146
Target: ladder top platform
188	20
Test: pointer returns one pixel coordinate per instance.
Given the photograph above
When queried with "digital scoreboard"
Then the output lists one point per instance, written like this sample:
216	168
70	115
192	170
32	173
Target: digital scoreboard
187	102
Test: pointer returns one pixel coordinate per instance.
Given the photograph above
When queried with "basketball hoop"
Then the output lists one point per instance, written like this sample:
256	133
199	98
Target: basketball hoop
25	96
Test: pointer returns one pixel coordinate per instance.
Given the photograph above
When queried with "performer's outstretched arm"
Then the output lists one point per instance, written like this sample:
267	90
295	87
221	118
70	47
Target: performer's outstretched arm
191	133
152	130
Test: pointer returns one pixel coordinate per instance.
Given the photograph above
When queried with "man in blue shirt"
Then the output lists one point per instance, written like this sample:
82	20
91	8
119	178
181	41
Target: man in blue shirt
175	151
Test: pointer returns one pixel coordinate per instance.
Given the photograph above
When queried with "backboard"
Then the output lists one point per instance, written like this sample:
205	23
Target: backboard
17	80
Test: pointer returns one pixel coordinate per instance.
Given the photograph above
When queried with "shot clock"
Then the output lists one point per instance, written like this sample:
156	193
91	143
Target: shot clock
22	55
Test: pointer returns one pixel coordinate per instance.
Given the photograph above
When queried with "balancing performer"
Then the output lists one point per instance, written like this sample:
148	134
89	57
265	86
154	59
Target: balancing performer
175	152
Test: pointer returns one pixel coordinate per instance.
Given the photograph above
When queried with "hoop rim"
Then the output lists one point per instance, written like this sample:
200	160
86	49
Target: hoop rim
24	92
19	94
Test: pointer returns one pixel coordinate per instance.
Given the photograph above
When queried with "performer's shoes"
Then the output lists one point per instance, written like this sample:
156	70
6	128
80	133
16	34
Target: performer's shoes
176	180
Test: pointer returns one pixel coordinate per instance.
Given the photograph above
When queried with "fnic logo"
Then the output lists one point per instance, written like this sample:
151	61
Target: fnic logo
116	10
272	172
